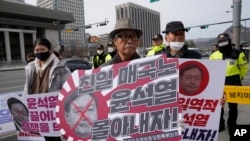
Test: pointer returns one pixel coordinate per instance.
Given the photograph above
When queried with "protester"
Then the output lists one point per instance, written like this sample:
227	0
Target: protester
80	113
46	73
175	38
30	57
19	112
126	39
237	67
158	45
99	58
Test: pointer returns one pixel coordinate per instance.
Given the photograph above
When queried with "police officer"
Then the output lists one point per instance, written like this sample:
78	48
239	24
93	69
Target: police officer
111	51
158	45
99	58
237	67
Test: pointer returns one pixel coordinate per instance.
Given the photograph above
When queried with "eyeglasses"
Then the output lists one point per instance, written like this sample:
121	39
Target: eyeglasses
126	37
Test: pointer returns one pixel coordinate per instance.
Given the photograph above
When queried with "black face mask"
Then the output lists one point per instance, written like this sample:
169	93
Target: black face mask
42	56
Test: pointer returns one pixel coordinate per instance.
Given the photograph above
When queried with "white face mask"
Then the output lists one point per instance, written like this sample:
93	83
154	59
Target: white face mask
99	51
110	49
176	45
221	44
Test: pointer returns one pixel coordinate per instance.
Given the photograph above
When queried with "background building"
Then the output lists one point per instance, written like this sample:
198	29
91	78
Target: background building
75	38
19	28
146	19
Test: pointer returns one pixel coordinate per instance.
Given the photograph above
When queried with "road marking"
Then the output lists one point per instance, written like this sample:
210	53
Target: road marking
11	88
8	135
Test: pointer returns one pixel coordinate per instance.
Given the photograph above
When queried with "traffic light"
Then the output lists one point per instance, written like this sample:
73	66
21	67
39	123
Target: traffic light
88	26
69	30
102	23
151	1
187	29
204	26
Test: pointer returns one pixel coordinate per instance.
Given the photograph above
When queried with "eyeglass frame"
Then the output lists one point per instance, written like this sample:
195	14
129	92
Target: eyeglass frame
128	37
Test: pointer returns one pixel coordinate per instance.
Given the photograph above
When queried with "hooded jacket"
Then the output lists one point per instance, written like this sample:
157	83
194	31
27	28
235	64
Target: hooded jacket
57	75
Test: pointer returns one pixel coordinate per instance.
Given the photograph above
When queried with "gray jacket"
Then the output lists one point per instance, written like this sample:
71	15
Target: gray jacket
57	76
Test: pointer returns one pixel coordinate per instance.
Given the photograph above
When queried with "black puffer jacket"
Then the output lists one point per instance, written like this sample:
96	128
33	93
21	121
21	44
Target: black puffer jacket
117	59
186	53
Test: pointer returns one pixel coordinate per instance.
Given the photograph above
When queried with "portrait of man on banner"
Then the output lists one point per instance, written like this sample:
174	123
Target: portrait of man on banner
193	78
19	112
80	113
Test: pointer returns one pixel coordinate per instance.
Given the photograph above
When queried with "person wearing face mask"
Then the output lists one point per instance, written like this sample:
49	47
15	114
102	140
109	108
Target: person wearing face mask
99	58
237	67
111	51
45	74
175	38
158	45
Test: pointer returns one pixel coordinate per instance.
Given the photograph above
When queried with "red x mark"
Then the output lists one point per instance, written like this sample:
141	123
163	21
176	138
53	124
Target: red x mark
20	113
83	114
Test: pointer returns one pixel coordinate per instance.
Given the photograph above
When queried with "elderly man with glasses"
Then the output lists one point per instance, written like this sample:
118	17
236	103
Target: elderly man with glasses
126	39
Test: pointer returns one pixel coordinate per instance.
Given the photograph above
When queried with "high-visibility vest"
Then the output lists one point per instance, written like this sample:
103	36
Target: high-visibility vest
108	57
155	50
234	66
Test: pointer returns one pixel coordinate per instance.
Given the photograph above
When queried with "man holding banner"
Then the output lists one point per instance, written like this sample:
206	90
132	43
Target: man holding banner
126	38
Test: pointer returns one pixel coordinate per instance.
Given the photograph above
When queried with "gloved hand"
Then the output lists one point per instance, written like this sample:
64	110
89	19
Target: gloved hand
181	125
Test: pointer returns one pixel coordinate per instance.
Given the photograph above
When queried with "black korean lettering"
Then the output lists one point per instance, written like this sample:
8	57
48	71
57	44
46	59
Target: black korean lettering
127	75
165	92
100	129
143	96
166	69
120	99
148	70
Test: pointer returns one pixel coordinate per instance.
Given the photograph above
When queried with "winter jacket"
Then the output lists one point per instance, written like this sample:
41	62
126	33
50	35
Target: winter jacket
57	75
186	53
116	60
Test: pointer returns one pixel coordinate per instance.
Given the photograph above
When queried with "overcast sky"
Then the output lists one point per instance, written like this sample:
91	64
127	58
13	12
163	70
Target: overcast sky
190	12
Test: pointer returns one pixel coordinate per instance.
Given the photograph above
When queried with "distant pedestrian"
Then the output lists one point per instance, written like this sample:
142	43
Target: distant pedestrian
30	56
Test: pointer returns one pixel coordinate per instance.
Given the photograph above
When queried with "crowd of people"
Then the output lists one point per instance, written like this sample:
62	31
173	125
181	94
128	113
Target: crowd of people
45	72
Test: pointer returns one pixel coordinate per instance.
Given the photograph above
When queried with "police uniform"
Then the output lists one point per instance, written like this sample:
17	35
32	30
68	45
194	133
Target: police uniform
110	55
156	49
98	59
236	69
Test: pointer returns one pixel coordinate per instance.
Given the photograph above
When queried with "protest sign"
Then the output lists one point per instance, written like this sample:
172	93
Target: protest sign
238	94
34	115
200	90
6	122
134	100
